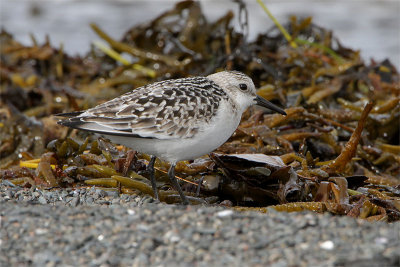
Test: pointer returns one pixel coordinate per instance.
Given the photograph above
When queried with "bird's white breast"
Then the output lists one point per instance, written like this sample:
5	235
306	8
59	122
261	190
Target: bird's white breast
210	137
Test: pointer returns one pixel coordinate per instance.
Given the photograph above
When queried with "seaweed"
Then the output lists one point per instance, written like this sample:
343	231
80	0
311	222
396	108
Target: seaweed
334	152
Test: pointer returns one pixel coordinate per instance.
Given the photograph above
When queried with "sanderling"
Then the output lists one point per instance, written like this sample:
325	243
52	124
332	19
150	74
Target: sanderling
174	120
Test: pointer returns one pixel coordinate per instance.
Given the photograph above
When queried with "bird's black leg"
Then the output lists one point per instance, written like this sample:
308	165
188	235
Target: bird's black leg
150	169
171	175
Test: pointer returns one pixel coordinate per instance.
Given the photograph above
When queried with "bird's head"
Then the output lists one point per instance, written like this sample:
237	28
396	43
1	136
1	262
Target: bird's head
241	89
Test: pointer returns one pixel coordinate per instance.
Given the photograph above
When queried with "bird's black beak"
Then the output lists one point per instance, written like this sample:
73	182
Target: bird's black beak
266	104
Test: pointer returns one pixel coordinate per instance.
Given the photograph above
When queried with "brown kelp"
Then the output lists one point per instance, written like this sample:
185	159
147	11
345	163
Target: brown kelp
337	150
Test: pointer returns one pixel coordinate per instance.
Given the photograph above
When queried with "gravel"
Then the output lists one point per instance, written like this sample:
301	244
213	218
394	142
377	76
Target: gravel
92	227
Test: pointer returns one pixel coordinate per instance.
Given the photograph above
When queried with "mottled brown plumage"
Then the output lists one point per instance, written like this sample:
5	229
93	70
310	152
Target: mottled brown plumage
163	110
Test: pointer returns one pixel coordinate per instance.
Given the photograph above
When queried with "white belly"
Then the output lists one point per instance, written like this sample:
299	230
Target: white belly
205	141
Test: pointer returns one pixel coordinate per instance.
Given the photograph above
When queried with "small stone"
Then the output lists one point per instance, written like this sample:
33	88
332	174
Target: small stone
89	200
76	192
41	231
327	245
112	193
172	236
142	228
8	183
224	213
42	200
75	201
103	202
226	203
101	193
141	260
206	231
381	240
10	193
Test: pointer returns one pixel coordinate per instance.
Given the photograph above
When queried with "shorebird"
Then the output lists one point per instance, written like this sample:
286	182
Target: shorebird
175	120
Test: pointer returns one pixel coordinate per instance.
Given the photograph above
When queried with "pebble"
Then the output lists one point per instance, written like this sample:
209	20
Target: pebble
90	227
224	213
42	200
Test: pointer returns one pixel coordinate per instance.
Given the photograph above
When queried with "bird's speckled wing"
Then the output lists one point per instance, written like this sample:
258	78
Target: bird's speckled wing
163	110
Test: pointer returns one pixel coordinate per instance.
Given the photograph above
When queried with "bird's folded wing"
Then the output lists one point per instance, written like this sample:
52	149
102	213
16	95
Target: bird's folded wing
130	127
158	111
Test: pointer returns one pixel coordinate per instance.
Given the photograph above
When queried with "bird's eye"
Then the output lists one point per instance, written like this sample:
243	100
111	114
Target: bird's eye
243	86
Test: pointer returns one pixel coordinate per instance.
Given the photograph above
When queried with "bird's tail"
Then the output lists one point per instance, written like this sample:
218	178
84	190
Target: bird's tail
69	114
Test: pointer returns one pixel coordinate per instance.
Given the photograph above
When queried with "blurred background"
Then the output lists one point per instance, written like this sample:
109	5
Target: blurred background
370	26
